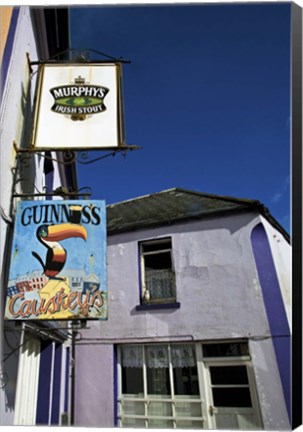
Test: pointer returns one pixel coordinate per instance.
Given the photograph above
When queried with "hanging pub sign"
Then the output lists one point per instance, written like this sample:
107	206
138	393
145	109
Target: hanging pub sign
58	261
79	106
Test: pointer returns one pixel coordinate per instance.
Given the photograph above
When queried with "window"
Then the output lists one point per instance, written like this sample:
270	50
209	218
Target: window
178	386
44	381
230	386
158	279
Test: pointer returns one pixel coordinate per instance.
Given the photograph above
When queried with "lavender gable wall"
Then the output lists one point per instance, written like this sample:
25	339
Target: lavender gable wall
220	297
214	267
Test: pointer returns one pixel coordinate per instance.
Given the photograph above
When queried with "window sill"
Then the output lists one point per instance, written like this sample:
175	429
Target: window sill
152	306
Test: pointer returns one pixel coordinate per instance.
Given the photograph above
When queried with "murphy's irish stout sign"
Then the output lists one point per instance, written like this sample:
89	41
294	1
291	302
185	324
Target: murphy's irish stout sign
58	261
79	106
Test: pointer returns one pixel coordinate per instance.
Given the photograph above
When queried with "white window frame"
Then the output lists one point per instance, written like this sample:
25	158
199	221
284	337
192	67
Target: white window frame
145	295
233	361
27	381
205	398
146	399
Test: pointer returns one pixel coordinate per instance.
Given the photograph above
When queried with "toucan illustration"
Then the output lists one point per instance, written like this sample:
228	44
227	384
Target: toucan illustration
49	236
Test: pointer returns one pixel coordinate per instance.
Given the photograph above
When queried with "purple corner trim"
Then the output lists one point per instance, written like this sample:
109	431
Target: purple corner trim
275	308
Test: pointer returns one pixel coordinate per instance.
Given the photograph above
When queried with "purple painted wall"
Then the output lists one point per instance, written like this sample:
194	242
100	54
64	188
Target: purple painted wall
220	298
94	389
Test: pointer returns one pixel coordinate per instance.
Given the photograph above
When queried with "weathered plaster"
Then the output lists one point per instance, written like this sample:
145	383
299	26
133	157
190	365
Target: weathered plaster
220	296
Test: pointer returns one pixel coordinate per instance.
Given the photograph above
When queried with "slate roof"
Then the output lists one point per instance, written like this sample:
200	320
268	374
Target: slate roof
177	205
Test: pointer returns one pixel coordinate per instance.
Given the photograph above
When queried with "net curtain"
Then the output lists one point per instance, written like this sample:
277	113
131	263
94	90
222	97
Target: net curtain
157	356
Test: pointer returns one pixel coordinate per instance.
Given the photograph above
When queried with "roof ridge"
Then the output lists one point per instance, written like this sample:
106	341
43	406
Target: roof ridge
223	197
140	197
185	208
188	191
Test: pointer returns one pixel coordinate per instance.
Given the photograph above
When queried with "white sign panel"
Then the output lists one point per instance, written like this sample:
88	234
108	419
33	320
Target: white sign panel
79	106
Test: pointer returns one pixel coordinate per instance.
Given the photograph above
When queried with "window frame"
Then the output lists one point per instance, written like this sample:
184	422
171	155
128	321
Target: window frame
44	377
151	398
144	300
233	361
204	398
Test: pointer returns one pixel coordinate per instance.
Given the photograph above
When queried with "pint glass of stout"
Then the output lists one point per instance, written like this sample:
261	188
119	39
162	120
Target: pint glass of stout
75	214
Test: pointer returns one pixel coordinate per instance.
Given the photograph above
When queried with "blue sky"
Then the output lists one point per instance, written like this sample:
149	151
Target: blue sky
206	96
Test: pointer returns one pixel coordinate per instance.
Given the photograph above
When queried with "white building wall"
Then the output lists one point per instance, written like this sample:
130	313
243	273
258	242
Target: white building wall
12	103
17	104
13	111
282	256
268	383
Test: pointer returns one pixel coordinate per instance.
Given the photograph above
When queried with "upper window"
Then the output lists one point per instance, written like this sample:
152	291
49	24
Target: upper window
158	278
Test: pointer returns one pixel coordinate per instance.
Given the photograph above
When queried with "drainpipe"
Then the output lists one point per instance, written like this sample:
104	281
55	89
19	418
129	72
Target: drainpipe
74	324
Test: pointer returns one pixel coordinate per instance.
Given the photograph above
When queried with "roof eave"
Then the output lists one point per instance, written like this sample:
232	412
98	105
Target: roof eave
255	207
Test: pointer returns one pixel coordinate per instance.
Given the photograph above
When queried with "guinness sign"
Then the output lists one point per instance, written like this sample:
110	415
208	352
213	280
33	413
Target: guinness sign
58	261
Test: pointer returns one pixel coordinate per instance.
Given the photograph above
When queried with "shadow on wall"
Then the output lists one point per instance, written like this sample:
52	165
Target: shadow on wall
164	310
10	340
232	222
23	177
24	173
10	362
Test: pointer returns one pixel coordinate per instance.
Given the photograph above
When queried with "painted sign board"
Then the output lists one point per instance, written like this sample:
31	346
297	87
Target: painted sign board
79	106
58	261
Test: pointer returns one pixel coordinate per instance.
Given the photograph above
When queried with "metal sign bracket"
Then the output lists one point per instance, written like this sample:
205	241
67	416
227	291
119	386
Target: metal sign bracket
72	156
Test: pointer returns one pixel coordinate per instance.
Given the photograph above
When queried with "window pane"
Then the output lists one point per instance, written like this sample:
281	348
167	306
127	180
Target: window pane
228	375
186	381
239	421
160	284
132	380
225	350
161	260
231	397
160	409
132	356
189	424
133	408
157	356
133	422
158	271
188	409
156	245
158	381
160	423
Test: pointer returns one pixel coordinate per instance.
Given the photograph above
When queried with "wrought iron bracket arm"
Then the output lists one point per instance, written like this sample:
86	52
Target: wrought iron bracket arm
60	191
79	58
72	156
